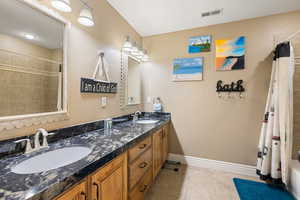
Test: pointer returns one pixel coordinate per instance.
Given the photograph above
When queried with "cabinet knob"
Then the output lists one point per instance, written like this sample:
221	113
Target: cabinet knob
143	165
144	188
143	146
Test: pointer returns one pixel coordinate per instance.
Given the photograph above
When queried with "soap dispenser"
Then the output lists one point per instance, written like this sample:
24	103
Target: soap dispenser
157	106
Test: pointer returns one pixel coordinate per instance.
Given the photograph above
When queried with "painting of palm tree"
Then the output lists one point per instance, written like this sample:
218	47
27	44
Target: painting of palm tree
199	44
187	69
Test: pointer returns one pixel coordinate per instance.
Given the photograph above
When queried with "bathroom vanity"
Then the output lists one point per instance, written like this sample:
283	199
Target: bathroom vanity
130	174
123	163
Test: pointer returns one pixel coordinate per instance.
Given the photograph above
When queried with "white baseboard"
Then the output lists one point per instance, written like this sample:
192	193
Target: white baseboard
295	179
246	170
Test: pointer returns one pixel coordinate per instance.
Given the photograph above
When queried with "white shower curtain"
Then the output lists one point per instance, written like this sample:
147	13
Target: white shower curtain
275	144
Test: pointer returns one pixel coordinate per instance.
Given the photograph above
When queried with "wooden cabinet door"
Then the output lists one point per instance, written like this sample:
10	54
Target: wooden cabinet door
79	192
157	152
110	182
165	148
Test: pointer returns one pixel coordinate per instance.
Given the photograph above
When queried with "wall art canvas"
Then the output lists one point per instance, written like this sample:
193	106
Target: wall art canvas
188	69
199	44
230	54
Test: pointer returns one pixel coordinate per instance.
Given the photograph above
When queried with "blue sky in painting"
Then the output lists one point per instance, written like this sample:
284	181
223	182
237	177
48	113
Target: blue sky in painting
199	39
238	46
240	41
188	65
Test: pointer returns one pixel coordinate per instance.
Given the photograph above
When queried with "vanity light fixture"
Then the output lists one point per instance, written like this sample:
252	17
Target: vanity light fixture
62	5
133	50
139	57
127	45
86	18
145	57
141	53
29	36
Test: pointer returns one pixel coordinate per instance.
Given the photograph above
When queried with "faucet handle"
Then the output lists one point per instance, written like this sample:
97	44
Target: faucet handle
45	141
45	134
28	147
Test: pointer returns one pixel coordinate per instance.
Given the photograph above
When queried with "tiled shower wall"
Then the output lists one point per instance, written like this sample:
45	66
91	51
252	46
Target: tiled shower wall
28	84
24	93
296	145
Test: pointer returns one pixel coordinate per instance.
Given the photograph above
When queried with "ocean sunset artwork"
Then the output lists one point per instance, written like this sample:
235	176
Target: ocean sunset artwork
188	69
230	54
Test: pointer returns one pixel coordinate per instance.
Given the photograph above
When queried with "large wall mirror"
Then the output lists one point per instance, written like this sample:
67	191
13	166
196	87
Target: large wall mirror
133	94
130	87
32	61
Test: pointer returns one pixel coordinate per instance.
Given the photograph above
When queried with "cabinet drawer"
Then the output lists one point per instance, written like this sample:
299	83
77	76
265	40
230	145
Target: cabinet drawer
138	168
139	148
141	188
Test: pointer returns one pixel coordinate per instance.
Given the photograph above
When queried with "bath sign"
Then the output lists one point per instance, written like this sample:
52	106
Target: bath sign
94	86
233	87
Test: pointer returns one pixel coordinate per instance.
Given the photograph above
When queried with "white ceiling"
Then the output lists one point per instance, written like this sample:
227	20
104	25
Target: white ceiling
18	19
151	17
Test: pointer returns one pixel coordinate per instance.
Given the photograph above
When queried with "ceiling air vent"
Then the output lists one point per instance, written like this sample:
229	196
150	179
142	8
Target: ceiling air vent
206	14
211	13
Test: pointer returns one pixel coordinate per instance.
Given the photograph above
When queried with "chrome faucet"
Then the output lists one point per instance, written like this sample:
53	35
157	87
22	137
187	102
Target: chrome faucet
37	144
136	116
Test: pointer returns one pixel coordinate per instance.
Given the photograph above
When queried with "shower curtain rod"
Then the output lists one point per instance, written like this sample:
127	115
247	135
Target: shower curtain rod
290	37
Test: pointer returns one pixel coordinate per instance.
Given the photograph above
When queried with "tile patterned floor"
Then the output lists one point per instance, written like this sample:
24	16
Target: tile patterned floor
192	183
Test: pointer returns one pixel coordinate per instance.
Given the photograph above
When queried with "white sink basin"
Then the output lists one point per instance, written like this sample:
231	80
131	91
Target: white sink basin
150	121
51	160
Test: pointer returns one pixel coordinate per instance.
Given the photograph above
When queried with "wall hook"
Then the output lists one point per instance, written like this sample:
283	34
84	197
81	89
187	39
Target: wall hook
241	95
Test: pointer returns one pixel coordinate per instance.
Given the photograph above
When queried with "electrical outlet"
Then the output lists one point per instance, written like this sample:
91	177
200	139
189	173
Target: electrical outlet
103	101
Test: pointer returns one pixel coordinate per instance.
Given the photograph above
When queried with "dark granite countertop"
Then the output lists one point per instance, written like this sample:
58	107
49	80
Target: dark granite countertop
105	146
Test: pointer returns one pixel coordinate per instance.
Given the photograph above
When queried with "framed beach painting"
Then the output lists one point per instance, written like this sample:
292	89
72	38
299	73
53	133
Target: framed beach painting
188	69
199	44
230	54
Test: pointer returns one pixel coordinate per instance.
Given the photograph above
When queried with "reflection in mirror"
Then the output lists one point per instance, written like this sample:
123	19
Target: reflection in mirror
133	82
31	60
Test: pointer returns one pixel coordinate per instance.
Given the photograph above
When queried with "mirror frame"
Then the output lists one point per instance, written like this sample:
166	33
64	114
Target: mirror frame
123	90
27	120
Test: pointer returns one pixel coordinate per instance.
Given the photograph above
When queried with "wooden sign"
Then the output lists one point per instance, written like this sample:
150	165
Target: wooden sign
94	86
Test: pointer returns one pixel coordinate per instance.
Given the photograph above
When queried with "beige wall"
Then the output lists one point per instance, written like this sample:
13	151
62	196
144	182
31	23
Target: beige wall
108	34
204	125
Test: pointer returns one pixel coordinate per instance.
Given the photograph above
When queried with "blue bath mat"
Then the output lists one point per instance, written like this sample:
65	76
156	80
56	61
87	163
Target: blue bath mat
252	190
